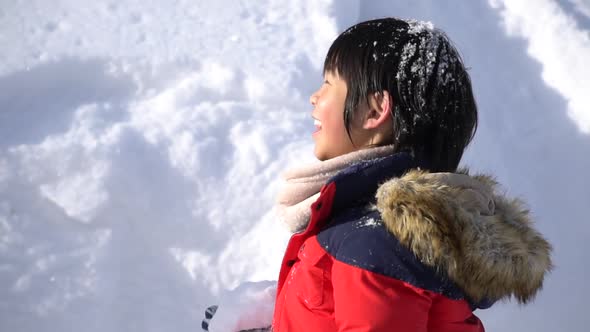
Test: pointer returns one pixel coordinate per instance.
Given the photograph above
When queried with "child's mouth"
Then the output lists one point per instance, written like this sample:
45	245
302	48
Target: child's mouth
318	125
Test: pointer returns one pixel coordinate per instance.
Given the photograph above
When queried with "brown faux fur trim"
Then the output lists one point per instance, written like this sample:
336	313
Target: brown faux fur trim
460	225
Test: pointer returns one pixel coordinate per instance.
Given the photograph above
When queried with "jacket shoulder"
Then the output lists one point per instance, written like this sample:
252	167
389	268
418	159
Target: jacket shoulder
359	238
467	228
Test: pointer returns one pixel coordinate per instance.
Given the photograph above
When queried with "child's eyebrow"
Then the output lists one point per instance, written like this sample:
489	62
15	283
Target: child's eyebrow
327	82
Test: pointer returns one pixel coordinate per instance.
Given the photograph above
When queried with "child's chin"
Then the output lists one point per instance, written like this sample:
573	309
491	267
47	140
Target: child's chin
319	154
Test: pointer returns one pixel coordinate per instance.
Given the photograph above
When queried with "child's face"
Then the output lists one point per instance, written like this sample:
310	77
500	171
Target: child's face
331	138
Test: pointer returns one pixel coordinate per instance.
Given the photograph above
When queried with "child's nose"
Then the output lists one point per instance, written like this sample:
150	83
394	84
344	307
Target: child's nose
313	99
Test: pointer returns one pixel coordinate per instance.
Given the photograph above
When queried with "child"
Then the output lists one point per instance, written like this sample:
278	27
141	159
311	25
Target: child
390	236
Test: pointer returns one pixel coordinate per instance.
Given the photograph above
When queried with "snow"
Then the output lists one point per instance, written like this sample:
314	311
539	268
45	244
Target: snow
367	222
562	47
417	27
582	6
141	144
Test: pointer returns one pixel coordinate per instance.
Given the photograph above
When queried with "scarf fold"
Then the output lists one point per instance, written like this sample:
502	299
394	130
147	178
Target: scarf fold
302	185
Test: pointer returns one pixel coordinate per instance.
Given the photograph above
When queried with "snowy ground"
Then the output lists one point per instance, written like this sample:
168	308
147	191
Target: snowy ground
141	144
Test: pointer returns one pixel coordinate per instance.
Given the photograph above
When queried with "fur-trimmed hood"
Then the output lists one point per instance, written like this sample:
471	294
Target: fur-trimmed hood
460	225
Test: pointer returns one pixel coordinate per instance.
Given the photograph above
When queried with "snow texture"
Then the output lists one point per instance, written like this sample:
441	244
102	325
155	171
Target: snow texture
141	145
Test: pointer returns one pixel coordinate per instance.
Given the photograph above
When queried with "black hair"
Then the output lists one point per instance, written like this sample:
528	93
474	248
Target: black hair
434	110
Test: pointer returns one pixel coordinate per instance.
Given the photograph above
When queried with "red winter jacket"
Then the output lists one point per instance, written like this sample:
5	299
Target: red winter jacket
432	249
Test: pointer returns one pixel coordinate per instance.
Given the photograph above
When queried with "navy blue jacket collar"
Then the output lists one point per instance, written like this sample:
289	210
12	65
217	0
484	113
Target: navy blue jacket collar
358	183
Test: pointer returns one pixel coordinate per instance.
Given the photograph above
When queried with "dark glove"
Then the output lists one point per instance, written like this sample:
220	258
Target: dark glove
208	315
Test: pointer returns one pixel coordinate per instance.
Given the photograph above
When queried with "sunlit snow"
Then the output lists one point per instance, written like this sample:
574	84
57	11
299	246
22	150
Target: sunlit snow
141	144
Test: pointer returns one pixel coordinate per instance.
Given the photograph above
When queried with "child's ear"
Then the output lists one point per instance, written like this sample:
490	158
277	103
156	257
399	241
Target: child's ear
379	112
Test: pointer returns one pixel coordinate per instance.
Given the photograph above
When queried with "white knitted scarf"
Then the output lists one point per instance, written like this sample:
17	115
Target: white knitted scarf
302	185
